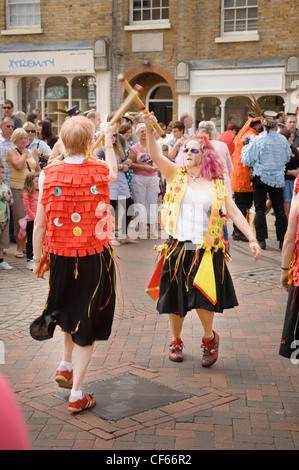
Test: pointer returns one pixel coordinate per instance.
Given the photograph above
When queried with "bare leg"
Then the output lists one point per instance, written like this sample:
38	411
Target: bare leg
176	323
68	346
207	319
82	360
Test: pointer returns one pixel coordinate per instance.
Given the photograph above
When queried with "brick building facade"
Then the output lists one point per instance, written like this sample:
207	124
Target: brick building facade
202	57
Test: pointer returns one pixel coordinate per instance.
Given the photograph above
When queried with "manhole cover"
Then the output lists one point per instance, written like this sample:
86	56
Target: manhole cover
268	275
127	395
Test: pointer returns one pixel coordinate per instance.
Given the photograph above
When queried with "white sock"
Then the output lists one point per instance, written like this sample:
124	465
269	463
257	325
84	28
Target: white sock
68	365
77	393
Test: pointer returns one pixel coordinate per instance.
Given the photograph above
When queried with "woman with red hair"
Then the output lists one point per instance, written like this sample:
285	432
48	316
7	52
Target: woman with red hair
192	271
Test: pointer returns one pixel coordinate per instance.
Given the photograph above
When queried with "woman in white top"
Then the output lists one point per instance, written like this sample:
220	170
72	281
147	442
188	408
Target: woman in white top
185	249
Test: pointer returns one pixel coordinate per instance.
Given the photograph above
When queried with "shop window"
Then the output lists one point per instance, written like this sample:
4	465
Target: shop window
271	103
84	91
208	109
236	110
22	13
29	93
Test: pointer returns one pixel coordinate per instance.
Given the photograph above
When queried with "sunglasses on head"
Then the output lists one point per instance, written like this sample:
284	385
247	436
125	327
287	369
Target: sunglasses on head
191	150
30	131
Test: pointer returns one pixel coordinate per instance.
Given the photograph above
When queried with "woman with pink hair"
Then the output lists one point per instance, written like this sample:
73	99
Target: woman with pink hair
192	271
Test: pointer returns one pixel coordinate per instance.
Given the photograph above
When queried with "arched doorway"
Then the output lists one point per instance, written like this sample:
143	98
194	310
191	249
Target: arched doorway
236	110
29	94
161	103
208	109
271	103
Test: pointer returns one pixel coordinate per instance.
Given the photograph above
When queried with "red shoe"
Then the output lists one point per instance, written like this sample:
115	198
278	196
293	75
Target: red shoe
80	404
64	378
176	350
210	350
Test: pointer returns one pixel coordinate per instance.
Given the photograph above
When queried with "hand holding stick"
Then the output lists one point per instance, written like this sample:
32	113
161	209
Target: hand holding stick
138	101
126	104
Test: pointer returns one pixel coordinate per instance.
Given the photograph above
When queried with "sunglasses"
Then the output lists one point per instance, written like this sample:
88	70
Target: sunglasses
6	107
9	125
191	150
30	131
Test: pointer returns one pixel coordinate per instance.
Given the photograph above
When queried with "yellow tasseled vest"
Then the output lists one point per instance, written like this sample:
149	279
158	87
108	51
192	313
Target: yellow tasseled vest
204	279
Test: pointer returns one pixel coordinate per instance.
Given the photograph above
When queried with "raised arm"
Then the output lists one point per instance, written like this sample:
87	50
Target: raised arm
109	151
167	167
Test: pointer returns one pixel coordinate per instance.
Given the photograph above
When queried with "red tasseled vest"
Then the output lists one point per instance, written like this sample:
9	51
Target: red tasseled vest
76	203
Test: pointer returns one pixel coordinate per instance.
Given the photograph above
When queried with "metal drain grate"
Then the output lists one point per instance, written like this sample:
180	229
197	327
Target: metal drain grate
127	395
269	275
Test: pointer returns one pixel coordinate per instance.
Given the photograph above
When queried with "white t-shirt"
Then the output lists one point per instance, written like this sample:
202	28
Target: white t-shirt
194	216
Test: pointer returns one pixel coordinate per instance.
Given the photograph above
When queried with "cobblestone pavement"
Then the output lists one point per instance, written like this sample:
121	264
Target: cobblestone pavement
246	401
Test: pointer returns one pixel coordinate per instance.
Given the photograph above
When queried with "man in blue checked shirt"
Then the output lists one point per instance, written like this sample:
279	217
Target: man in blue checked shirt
268	154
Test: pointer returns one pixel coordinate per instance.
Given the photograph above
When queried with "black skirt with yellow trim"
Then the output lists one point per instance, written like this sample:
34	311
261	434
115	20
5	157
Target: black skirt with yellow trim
81	298
178	294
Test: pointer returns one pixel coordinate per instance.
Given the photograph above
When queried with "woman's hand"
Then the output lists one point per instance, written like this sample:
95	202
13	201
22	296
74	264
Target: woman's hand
284	280
149	168
255	249
149	120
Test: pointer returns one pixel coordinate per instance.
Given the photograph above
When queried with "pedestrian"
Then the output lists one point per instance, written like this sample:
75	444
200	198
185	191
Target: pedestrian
120	197
74	215
20	161
268	154
8	109
6	200
145	184
289	280
192	272
30	195
240	178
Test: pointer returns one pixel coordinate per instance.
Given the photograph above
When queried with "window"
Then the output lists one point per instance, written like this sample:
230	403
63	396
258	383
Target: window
149	11
22	13
239	16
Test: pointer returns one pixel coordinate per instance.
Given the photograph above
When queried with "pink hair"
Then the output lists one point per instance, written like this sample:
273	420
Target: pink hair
212	166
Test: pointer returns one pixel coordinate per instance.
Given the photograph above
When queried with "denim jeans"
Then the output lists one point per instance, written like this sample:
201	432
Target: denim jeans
260	192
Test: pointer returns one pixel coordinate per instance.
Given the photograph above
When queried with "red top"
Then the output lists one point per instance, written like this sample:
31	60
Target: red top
76	203
30	203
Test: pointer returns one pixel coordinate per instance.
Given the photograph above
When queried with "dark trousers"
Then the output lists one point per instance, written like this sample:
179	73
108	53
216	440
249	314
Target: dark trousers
244	202
260	192
29	248
122	206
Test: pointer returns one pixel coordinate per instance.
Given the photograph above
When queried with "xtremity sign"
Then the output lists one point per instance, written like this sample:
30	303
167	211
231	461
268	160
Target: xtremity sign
46	62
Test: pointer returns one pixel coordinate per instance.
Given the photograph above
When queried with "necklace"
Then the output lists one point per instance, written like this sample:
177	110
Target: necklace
194	178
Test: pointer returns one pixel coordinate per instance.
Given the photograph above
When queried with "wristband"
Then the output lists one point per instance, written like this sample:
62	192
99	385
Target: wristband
284	269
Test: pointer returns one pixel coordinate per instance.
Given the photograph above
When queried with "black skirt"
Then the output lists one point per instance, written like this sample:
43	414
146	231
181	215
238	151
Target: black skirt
290	333
178	295
81	298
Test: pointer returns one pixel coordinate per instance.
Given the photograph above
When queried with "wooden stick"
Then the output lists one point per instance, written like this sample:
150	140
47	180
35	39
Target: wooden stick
123	108
140	104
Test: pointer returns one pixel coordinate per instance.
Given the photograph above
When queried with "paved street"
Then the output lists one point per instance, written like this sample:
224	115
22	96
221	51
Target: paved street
247	401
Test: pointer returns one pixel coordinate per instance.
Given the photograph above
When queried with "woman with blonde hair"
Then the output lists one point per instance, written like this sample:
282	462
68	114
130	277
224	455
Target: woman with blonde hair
73	218
120	197
20	161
